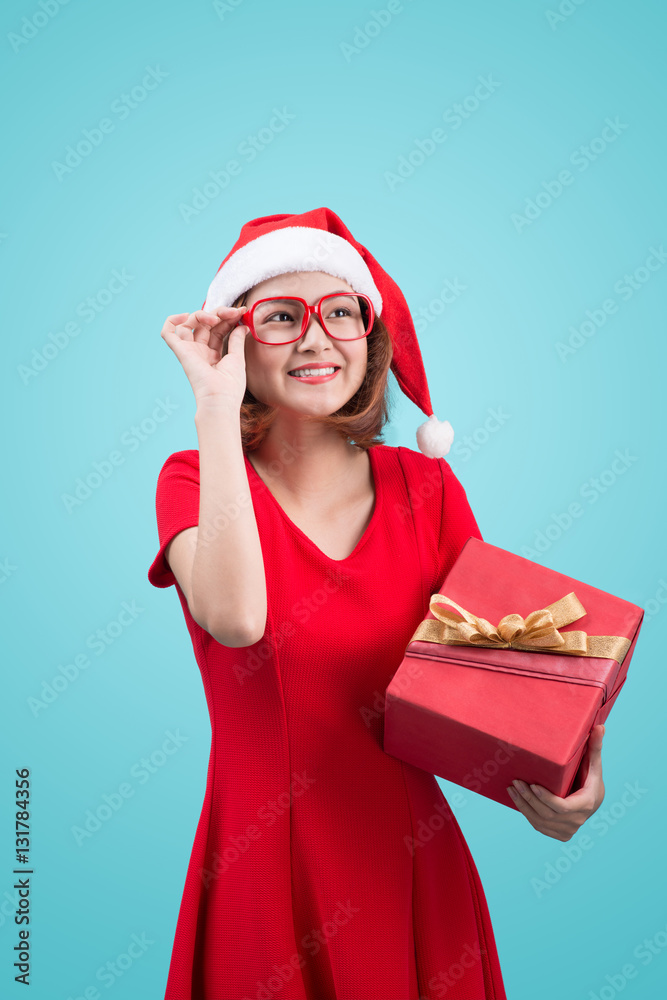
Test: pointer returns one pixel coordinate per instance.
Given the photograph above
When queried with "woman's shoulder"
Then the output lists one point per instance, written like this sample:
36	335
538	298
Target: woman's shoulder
179	474
413	465
428	484
413	482
430	497
185	460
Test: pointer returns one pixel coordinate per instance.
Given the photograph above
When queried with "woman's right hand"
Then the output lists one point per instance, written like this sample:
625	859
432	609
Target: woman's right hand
196	340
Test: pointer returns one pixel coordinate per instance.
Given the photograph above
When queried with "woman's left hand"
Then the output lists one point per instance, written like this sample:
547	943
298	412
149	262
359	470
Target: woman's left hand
561	818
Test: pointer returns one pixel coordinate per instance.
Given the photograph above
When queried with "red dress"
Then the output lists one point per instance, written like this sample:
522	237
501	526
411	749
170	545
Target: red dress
311	876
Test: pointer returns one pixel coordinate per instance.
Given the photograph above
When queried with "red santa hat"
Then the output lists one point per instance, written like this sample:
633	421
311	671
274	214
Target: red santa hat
319	241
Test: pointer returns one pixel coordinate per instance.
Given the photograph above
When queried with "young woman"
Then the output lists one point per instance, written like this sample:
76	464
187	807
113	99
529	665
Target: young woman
304	552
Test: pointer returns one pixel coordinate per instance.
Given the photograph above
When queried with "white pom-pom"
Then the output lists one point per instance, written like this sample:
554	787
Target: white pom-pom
434	437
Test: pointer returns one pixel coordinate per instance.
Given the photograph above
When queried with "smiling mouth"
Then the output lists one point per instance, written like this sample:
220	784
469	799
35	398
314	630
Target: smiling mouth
313	372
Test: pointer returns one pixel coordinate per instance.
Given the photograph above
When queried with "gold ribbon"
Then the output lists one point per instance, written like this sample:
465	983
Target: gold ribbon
537	633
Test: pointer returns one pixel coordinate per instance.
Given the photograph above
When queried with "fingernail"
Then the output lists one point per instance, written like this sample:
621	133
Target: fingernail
538	791
512	791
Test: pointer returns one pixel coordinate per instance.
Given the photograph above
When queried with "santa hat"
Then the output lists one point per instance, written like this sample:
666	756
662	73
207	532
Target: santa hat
319	241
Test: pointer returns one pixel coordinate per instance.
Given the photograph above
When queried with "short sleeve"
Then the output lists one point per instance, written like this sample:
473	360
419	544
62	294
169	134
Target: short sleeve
457	521
176	506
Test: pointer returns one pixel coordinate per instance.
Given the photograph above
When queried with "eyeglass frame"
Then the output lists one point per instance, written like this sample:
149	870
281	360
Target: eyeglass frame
248	319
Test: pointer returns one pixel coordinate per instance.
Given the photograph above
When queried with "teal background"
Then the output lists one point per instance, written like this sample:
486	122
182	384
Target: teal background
67	572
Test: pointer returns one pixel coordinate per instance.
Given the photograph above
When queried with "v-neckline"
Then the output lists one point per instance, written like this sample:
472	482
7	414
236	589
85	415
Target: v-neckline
377	482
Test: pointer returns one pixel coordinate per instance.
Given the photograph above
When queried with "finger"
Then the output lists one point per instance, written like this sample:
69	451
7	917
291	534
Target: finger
590	784
228	310
172	322
555	826
528	796
555	802
227	322
236	342
588	798
183	324
594	752
201	323
193	319
524	807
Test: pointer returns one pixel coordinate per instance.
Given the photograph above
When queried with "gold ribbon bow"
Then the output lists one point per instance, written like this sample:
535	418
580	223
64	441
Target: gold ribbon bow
538	632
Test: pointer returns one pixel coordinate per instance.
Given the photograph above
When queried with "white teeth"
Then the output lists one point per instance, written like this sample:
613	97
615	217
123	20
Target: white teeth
313	371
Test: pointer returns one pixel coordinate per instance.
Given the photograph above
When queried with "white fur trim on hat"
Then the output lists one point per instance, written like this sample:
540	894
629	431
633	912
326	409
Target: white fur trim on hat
291	248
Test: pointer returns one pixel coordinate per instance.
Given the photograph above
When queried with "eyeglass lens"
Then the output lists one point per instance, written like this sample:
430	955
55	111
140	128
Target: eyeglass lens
278	321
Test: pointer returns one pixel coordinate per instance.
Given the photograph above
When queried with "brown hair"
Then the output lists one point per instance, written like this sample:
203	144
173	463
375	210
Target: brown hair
360	420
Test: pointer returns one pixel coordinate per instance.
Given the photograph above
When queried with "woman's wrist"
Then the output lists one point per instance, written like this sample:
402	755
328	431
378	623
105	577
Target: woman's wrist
216	408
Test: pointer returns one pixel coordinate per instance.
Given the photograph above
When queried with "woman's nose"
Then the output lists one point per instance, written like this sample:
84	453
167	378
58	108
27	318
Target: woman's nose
314	316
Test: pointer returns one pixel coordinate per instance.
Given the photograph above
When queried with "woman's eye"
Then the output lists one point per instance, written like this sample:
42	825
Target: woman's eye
272	317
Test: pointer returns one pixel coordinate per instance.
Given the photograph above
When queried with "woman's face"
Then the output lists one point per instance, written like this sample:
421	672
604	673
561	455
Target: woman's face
267	366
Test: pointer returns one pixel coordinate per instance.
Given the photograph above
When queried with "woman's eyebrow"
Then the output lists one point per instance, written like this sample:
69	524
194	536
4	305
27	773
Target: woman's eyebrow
336	291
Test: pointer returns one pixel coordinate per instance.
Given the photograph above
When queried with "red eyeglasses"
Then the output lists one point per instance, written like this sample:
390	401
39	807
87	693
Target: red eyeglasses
283	320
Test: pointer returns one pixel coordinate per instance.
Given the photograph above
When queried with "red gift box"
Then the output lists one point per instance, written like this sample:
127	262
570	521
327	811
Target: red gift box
482	715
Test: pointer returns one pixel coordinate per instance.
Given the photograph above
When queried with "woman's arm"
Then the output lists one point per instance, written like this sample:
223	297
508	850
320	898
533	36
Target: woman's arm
219	564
